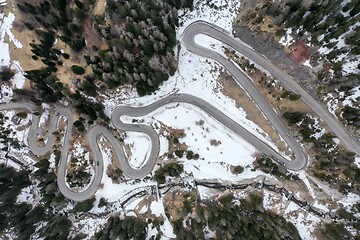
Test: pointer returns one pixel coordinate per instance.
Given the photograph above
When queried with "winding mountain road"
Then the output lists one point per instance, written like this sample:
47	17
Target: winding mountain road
299	160
214	31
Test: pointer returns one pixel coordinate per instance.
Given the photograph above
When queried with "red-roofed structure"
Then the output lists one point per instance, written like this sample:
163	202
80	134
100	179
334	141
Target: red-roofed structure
300	53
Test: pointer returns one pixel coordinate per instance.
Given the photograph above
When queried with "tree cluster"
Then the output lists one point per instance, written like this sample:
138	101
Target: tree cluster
6	136
170	169
293	117
351	115
6	73
310	16
78	175
48	186
77	69
237	169
65	20
335	231
291	95
84	206
48	86
79	125
51	20
61	16
247	220
140	38
139	35
22	219
304	122
93	110
268	166
127	228
328	166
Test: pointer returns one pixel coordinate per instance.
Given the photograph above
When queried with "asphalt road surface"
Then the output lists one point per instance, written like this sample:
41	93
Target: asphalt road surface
299	158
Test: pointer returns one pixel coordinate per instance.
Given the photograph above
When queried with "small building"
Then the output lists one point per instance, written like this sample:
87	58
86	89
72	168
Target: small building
15	120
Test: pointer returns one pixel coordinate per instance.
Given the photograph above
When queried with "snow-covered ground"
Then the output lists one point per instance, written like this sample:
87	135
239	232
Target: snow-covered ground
357	161
222	15
210	43
6	93
79	161
349	200
307	63
200	129
352	98
18	132
5	31
45	114
112	191
140	146
287	40
331	103
157	208
26	195
304	221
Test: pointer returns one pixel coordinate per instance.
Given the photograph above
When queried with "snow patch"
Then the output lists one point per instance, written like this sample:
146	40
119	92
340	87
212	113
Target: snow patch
157	208
287	40
211	43
349	200
217	11
304	222
140	146
26	195
353	97
307	63
357	161
5	30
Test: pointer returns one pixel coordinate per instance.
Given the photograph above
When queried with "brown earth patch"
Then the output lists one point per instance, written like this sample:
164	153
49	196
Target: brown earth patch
24	54
174	203
92	37
270	89
231	89
172	135
100	7
128	149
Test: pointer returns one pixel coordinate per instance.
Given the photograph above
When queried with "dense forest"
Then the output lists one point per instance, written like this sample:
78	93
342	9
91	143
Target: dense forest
141	38
231	218
24	220
127	228
131	43
225	218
